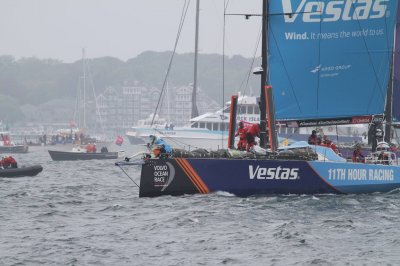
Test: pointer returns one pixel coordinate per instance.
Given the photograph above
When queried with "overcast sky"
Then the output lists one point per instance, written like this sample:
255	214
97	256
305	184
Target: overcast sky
59	29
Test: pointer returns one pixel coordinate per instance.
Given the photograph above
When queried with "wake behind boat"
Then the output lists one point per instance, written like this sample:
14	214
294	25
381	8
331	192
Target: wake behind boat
21	171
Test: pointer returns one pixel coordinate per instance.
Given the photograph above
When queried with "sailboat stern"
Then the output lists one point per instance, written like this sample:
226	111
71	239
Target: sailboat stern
169	177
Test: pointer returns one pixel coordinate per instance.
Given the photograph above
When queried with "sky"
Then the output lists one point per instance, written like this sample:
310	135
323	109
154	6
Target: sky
60	29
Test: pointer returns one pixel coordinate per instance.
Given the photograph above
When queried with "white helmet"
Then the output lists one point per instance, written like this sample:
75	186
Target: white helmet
383	146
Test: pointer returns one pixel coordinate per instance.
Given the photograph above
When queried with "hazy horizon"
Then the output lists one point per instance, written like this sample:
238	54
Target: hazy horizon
48	29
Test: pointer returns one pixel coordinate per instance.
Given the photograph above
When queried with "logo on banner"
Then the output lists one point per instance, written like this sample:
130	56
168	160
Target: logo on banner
317	69
163	174
273	173
330	11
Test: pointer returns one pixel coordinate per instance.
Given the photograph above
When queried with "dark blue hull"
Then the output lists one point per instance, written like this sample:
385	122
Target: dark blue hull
255	177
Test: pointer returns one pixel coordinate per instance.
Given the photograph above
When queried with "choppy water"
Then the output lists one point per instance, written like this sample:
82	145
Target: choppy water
89	213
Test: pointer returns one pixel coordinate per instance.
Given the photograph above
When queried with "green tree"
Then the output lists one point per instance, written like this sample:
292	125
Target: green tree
10	112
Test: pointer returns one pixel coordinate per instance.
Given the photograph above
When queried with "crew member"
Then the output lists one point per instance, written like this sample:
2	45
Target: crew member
383	157
159	144
242	136
91	148
252	132
384	151
358	157
328	143
6	140
8	162
313	139
119	140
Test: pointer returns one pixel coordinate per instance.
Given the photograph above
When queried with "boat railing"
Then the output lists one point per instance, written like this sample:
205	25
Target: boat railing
386	158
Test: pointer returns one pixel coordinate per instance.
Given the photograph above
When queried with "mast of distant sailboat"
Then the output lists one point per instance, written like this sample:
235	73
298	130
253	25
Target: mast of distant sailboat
195	111
84	88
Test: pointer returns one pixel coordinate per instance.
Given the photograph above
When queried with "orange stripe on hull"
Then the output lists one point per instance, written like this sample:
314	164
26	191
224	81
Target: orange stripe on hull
196	176
180	163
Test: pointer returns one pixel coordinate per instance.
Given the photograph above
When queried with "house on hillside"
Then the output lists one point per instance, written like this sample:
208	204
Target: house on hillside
120	109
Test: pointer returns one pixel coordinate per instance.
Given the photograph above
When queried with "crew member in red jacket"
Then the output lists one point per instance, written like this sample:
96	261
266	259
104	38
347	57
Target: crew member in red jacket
252	132
328	143
242	137
8	162
91	148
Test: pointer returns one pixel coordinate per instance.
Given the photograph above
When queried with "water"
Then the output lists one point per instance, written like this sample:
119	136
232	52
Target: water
89	213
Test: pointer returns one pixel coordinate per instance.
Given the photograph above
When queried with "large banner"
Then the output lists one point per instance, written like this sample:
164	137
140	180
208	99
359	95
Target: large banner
328	58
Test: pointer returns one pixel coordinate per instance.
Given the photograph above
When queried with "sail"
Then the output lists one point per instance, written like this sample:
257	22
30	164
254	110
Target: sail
330	59
396	81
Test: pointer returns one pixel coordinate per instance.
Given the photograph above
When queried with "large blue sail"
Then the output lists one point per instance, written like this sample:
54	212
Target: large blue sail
330	59
396	81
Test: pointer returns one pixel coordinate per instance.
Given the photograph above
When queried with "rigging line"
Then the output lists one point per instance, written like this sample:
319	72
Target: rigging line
337	134
183	16
286	71
396	136
370	59
128	176
76	111
97	112
247	78
248	74
390	53
174	140
272	14
95	97
319	61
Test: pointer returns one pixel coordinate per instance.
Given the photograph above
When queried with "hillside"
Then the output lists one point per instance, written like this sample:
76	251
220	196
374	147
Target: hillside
35	83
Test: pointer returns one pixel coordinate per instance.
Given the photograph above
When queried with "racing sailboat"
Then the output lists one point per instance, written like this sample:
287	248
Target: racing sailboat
329	63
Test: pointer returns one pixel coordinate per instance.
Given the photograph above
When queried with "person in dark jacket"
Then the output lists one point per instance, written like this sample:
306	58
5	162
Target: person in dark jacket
313	139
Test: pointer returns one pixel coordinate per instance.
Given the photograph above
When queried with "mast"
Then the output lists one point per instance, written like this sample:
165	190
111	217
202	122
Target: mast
195	111
266	99
264	64
389	94
389	107
84	89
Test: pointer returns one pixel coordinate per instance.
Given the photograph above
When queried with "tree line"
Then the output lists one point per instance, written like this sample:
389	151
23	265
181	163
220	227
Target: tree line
35	82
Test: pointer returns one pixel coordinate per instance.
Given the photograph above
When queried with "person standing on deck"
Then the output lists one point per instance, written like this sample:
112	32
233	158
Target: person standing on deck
242	137
358	157
313	138
252	132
